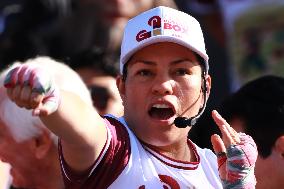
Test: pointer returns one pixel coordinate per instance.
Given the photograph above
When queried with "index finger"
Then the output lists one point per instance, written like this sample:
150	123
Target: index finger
229	135
11	78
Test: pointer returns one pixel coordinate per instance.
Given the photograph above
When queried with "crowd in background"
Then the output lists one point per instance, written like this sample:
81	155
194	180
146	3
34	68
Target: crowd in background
245	40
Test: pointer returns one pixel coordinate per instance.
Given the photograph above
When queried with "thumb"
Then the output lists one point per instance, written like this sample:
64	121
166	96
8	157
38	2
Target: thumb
49	104
220	151
45	109
218	144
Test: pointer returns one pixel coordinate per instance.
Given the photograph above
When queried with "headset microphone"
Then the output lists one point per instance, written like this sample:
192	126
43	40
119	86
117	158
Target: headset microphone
183	122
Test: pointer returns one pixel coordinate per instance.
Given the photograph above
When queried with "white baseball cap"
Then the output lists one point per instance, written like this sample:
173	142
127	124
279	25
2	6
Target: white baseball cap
162	24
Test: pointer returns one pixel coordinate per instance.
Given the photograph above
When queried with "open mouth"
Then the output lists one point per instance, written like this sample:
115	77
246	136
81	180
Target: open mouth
161	112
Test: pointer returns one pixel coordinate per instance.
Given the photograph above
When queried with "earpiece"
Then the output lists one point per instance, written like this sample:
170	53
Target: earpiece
204	84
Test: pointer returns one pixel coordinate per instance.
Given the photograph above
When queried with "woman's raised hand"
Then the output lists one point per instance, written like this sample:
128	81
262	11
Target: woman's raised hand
31	87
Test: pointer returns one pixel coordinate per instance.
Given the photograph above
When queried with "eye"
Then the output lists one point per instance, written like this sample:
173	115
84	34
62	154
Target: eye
144	72
181	72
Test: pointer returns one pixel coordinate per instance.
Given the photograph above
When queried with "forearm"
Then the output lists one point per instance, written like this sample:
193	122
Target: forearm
80	128
74	120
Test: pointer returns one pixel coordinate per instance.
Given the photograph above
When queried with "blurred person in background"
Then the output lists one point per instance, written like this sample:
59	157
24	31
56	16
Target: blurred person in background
26	144
26	26
254	32
257	109
99	73
97	23
251	31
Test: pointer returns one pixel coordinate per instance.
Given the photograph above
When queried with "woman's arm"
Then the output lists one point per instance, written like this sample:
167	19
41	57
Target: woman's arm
81	129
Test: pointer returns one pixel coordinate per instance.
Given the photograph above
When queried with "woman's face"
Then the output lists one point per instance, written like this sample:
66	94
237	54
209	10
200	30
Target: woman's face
164	81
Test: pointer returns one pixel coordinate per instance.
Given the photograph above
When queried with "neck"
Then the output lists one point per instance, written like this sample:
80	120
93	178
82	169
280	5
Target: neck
177	151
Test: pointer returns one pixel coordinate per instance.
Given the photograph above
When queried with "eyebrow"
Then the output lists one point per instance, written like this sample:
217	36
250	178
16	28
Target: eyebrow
182	60
175	62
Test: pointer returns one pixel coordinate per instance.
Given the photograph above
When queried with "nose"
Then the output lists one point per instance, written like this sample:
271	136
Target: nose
163	86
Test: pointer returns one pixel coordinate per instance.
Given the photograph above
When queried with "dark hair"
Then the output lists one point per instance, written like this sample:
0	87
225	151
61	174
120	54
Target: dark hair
23	35
260	105
97	59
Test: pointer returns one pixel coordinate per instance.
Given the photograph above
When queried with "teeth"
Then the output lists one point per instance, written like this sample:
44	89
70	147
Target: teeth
161	106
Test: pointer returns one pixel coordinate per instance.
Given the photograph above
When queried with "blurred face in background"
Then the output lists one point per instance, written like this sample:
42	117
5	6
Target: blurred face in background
269	170
112	11
19	155
105	95
113	16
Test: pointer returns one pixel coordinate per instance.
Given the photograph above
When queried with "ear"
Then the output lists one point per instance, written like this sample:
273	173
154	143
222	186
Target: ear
207	85
121	87
279	146
42	144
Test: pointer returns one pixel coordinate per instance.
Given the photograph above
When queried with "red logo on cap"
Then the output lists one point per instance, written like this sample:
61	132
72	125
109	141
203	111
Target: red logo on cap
155	22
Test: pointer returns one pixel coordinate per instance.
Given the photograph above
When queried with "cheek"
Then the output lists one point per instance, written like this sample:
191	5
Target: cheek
7	150
135	97
14	153
190	87
189	92
135	88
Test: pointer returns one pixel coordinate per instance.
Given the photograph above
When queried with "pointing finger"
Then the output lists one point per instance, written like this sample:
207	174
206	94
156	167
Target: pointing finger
229	135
